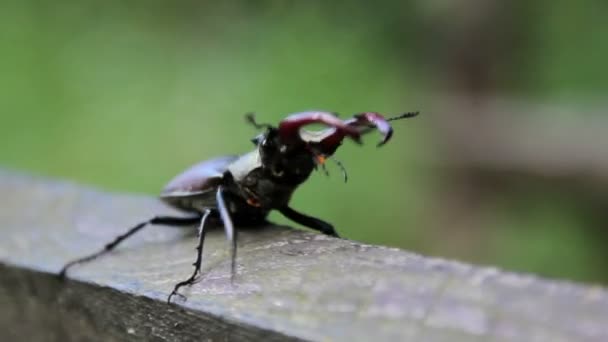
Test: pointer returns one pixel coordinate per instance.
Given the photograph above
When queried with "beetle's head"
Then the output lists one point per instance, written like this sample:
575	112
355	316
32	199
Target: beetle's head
290	152
288	160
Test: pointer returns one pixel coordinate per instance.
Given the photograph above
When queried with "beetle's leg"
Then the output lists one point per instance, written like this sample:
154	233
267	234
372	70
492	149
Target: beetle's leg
158	220
199	257
228	228
308	221
289	128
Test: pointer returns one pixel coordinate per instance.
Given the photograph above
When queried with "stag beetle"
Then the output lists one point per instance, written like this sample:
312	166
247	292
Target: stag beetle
243	189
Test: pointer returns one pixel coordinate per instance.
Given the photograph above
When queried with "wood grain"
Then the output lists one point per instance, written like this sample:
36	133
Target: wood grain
291	284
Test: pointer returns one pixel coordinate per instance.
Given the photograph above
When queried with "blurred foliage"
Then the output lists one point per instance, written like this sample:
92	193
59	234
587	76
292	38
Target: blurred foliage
125	95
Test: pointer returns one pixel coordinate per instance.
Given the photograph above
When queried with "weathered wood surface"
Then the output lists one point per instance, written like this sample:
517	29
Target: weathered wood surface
291	284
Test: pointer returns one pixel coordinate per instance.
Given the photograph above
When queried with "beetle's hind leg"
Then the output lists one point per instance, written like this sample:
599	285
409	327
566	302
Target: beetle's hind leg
199	258
309	221
158	220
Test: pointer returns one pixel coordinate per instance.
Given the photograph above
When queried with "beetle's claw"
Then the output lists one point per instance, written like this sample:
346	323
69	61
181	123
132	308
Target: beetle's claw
386	137
363	123
181	297
375	120
289	128
385	128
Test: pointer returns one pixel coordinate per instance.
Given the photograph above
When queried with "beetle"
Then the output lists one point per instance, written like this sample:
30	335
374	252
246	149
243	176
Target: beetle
242	190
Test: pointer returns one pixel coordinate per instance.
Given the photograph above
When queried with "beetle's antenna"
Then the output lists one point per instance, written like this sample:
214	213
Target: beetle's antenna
320	158
342	168
250	118
404	116
325	171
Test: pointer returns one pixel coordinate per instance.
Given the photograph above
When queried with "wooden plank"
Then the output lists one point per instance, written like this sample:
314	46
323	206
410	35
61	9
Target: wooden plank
291	284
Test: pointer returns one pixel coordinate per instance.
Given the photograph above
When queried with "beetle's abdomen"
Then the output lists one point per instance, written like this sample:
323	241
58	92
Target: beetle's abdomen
199	178
192	203
194	189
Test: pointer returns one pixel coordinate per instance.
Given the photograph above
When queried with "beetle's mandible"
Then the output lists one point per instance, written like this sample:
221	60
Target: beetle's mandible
242	190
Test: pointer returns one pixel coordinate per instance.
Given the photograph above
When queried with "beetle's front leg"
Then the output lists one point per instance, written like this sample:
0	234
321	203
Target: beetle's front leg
228	228
309	221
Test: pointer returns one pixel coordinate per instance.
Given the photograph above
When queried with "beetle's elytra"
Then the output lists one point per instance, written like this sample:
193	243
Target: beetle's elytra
244	189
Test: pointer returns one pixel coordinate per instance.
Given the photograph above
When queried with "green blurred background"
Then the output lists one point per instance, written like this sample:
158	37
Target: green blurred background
506	165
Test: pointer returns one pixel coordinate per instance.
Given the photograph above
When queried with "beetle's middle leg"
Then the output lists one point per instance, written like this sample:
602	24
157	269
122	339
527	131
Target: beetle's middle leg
158	220
309	221
199	257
